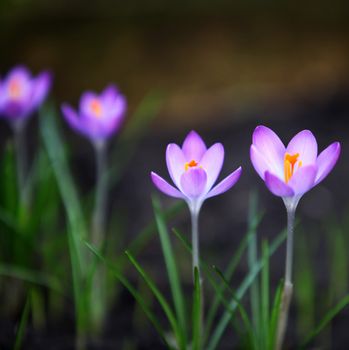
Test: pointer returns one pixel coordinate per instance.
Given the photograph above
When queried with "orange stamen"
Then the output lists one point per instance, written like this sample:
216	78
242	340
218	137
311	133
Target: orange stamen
96	108
289	165
190	164
15	88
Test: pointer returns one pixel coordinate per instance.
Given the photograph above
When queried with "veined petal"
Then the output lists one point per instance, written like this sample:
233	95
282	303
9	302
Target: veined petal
175	161
225	184
327	160
277	186
271	147
259	162
212	162
305	144
303	179
193	182
193	147
164	186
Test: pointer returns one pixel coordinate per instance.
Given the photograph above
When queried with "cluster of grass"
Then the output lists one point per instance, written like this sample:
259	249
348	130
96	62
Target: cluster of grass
47	261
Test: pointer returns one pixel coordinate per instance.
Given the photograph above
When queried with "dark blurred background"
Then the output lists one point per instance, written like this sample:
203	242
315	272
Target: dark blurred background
222	67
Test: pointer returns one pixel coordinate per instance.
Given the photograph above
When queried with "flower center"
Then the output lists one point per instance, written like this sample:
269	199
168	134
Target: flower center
190	164
15	89
289	165
96	108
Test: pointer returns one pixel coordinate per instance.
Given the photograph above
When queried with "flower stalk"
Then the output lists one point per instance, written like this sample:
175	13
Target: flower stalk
195	241
98	220
21	160
288	285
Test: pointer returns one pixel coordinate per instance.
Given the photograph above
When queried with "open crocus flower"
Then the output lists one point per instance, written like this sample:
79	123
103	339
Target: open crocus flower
21	94
99	116
194	169
291	171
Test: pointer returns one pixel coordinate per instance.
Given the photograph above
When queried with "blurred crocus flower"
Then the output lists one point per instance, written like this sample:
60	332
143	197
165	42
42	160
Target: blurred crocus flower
21	94
194	170
291	171
99	116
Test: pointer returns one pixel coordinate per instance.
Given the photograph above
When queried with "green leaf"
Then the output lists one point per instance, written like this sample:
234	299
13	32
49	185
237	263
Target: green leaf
159	296
327	319
197	312
22	325
76	224
274	318
264	326
246	283
119	276
171	267
32	276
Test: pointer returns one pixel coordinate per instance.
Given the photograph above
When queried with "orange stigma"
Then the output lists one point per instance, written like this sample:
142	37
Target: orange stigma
96	108
289	165
190	164
15	88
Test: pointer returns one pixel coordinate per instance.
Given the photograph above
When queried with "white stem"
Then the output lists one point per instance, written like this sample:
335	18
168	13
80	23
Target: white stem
288	286
195	239
21	159
98	221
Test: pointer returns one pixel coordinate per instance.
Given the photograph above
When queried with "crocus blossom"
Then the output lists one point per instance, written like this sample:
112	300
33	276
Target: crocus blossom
99	116
194	170
291	171
21	94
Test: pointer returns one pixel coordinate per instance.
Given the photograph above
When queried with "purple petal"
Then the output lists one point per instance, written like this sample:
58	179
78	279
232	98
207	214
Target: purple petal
327	160
303	179
71	117
212	162
305	144
109	94
225	184
271	148
277	186
41	87
193	147
164	186
193	182
85	104
259	162
175	163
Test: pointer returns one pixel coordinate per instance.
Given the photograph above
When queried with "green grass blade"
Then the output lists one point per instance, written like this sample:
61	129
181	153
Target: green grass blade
229	271
244	315
197	312
118	275
22	325
160	298
76	225
264	326
327	319
171	266
32	276
275	315
138	243
246	283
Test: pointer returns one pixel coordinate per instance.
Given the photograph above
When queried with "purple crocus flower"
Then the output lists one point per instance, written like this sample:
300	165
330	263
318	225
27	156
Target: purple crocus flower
99	116
291	171
194	170
21	94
